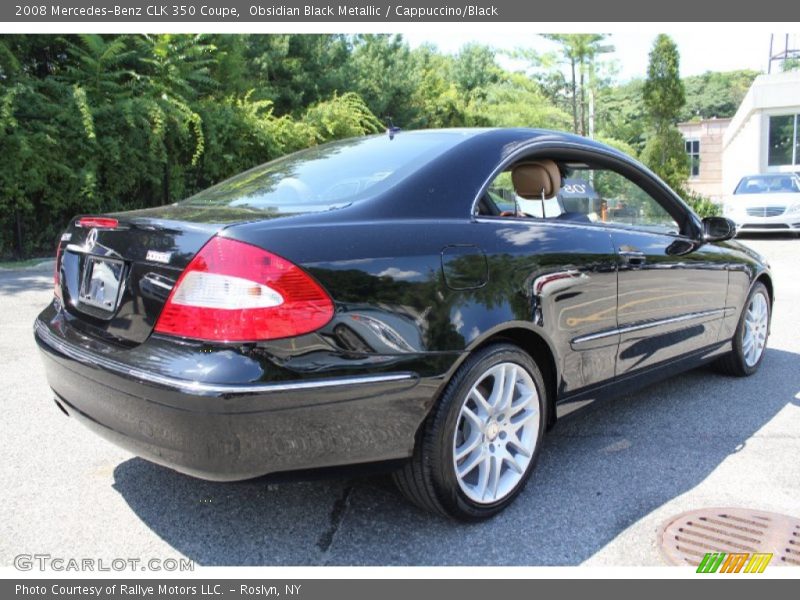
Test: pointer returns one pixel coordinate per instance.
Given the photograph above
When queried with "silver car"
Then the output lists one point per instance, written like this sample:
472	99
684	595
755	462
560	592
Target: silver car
765	203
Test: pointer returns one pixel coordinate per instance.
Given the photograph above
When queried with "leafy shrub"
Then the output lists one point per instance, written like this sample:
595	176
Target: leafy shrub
702	205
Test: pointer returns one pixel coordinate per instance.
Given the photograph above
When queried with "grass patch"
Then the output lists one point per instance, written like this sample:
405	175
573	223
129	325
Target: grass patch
23	264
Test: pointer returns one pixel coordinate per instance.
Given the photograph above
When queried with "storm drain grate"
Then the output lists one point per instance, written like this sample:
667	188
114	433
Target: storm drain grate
688	537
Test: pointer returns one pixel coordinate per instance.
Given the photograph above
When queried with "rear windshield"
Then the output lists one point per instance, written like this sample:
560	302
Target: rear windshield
769	184
328	176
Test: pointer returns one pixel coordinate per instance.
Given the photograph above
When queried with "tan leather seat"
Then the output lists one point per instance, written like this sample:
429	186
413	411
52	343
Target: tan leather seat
533	178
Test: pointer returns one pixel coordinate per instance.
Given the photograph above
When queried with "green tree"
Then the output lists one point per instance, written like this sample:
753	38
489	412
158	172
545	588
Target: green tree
664	153
341	117
295	71
517	101
96	123
437	98
101	66
621	114
790	64
555	87
475	68
41	142
715	94
580	51
383	74
663	92
664	96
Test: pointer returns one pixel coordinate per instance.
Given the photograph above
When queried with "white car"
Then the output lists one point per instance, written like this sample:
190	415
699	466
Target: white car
765	203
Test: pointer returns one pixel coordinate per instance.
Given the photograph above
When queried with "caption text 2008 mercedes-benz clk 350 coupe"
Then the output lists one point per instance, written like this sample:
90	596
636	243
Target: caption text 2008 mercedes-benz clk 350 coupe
437	298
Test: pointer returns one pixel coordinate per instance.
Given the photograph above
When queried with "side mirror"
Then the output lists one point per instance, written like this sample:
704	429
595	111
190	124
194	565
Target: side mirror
718	229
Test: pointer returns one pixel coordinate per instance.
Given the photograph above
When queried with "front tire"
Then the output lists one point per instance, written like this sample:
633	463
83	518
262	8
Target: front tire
480	443
750	339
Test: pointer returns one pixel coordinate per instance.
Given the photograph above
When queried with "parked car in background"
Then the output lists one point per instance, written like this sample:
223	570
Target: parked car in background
767	203
436	299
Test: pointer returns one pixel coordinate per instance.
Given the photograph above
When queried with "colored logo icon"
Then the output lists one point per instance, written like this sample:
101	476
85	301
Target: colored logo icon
723	562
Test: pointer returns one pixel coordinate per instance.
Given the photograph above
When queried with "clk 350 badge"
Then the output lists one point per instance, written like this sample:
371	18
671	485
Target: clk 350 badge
159	257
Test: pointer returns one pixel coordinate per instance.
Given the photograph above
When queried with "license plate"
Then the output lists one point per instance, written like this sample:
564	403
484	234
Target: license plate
101	283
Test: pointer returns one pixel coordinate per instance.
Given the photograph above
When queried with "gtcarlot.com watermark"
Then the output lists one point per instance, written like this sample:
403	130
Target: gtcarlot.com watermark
48	562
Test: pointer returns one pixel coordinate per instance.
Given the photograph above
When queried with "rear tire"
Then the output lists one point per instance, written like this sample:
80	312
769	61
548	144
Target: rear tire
750	339
481	441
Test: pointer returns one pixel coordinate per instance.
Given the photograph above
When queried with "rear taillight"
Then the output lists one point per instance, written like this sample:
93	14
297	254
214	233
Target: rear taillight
101	222
232	291
57	274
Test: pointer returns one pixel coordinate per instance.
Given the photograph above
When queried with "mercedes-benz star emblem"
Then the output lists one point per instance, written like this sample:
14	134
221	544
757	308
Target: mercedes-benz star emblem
91	239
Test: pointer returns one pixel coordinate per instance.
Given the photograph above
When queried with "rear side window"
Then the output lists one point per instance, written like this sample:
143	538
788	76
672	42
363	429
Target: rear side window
587	194
328	176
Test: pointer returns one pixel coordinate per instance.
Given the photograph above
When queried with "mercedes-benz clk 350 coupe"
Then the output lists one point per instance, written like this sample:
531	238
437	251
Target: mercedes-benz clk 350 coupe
435	298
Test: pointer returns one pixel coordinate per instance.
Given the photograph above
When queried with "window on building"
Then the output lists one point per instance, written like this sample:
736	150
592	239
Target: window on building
784	145
796	140
693	151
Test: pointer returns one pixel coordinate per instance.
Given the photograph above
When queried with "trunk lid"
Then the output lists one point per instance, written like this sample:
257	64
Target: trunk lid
115	280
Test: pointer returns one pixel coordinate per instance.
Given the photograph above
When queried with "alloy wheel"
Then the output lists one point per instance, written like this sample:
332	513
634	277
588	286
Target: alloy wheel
496	433
754	333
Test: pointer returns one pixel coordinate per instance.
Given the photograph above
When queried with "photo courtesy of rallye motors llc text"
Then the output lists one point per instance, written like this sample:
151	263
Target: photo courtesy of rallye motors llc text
144	591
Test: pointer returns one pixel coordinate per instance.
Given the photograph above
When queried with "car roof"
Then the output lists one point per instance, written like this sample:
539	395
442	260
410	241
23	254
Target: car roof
506	133
467	162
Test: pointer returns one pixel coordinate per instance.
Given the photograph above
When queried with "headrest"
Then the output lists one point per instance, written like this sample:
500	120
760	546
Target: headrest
531	178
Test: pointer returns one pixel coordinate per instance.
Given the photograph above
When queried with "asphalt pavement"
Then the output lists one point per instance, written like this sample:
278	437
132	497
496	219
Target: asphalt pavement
606	480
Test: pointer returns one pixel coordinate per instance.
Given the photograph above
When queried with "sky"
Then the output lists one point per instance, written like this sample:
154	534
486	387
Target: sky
717	48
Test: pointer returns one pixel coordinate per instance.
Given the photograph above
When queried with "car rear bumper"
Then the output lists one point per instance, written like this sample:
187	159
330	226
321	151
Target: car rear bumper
229	432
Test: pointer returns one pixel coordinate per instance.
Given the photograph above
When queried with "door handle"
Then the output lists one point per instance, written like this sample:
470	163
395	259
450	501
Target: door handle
632	256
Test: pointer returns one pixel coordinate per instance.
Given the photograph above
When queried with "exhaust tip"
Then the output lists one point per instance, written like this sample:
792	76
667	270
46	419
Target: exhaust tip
60	406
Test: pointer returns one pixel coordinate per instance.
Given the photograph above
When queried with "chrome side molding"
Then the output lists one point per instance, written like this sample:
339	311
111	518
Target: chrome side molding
649	324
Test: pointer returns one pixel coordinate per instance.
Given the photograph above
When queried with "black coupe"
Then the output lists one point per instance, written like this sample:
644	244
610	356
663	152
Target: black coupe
438	298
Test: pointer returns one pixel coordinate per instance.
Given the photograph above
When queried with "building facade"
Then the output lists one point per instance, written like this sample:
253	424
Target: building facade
704	142
764	134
